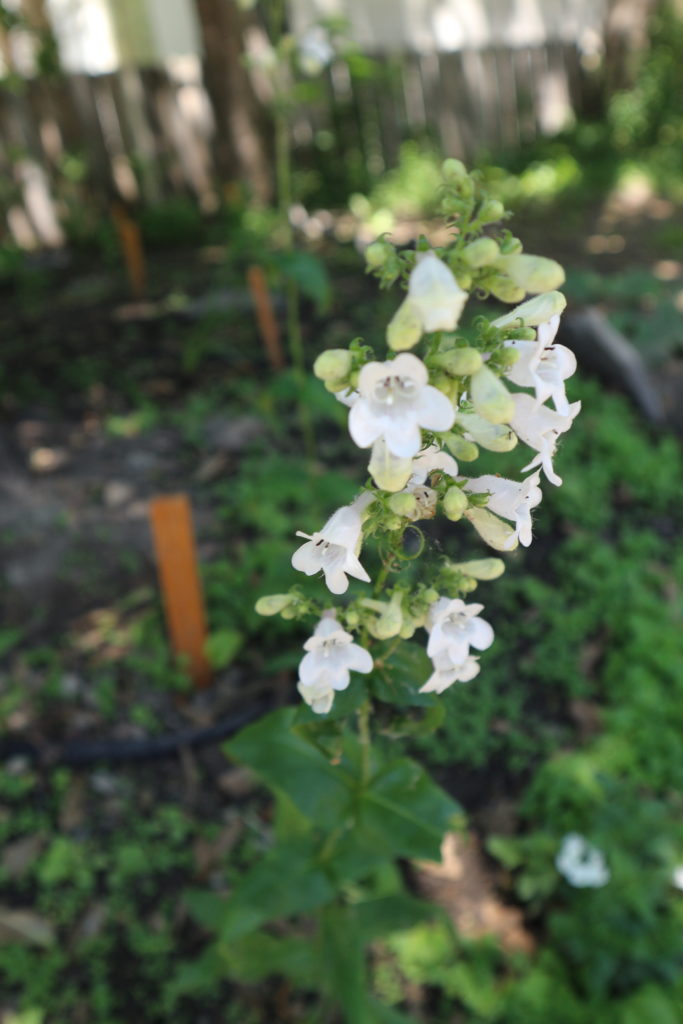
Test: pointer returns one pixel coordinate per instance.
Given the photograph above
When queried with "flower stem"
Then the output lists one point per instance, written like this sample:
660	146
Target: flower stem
365	741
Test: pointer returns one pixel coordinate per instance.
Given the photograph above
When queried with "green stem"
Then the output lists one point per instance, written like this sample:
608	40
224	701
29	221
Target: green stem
365	741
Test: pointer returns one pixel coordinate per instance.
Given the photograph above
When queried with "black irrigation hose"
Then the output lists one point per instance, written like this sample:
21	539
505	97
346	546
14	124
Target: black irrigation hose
78	753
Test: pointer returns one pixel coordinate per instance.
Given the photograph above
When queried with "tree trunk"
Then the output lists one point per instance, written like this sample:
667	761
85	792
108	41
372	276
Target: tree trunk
240	147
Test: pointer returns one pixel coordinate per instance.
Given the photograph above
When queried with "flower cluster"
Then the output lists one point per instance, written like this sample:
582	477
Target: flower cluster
423	411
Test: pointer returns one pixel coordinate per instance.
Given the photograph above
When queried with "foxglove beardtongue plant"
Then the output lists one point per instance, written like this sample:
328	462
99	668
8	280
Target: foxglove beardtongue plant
425	416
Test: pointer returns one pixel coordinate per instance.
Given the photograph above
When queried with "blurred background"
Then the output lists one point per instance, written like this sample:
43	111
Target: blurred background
186	191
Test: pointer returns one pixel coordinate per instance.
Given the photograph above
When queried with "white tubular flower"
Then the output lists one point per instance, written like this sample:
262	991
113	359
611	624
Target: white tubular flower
347	396
495	437
395	401
331	656
430	461
454	627
389	472
510	499
446	673
581	864
539	427
495	532
314	50
534	311
434	292
334	549
544	366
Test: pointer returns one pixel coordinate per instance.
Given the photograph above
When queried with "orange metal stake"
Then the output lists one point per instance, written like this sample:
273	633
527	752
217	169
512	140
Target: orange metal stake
265	317
176	558
133	251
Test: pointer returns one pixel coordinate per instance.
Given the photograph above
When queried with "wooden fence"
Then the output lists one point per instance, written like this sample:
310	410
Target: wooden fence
147	134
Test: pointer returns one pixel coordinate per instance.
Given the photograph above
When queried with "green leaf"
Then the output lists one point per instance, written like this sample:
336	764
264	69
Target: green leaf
398	680
222	646
287	881
288	762
343	954
404	813
389	914
308	273
255	957
207	908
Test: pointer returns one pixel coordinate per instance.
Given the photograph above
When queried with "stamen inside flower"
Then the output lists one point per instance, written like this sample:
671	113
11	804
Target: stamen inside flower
394	390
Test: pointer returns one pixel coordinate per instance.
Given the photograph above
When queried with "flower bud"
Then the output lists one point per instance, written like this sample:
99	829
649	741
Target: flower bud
495	437
490	211
408	629
490	397
522	334
288	612
510	245
505	289
390	472
430	595
532	273
403	504
494	531
481	253
273	604
482	568
352	618
453	169
467	585
333	365
390	621
454	504
508	357
465	451
377	254
460	362
404	330
534	311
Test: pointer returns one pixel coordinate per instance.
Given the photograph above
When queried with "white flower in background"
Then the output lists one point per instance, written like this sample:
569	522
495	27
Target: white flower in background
544	366
539	427
454	627
446	673
331	656
395	401
581	864
435	294
314	50
334	549
510	499
677	877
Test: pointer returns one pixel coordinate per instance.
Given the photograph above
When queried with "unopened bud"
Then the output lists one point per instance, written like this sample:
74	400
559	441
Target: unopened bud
333	365
523	334
273	604
490	211
508	357
454	503
352	618
534	311
494	531
404	330
532	273
481	253
430	595
389	471
377	254
482	568
460	362
464	279
403	504
490	397
467	585
465	451
505	289
511	245
453	169
495	437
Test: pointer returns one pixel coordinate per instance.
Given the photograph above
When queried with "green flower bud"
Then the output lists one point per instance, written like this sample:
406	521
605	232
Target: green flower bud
494	531
490	397
464	451
377	254
481	253
393	523
534	311
403	504
407	629
495	437
453	169
467	585
333	365
505	289
508	357
454	503
460	362
532	273
352	618
482	568
288	612
522	334
510	245
464	279
273	604
430	595
404	330
390	472
390	621
490	211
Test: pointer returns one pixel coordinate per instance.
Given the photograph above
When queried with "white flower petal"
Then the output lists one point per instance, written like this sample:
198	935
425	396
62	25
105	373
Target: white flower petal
435	410
364	426
307	558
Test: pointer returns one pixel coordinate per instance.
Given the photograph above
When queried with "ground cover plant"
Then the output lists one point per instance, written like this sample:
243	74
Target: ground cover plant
122	873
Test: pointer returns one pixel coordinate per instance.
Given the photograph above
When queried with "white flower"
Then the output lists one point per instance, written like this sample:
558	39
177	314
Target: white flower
392	473
314	50
510	499
677	877
428	462
544	366
435	294
347	396
539	427
446	673
534	311
454	627
331	656
395	401
334	549
581	864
